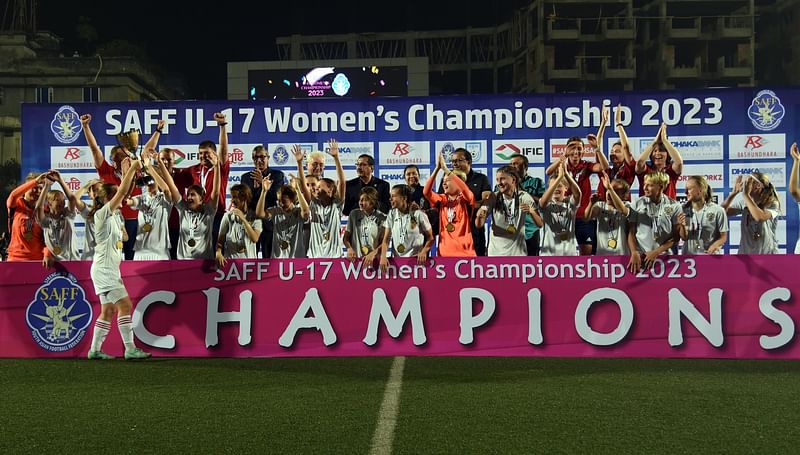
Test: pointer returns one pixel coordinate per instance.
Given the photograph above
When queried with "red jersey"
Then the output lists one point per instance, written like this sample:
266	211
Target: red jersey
626	171
109	175
581	173
204	176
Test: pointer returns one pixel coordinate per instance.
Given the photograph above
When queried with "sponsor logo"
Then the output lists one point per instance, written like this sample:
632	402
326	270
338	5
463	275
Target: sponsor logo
750	170
755	142
235	156
59	314
505	151
280	155
709	177
66	125
72	153
73	184
766	111
402	149
697	144
757	146
179	156
475	149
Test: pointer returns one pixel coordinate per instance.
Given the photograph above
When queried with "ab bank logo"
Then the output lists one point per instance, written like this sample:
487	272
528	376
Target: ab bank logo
280	155
59	314
66	125
402	149
766	111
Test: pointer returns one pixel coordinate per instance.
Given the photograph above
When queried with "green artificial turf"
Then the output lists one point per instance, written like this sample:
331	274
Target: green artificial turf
447	405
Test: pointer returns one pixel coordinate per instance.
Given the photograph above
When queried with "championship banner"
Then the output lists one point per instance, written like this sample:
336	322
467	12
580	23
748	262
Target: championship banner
702	307
721	133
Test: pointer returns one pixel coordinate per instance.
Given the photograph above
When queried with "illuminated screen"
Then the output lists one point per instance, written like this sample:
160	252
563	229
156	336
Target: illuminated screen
328	82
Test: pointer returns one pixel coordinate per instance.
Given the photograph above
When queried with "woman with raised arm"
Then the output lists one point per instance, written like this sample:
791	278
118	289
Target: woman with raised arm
794	186
197	218
105	271
508	206
58	220
557	214
612	217
664	157
240	229
287	218
622	164
760	208
27	240
154	206
364	231
325	206
408	229
91	188
455	230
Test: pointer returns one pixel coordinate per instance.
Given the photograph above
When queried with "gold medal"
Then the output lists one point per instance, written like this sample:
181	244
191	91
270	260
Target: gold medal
119	244
401	248
326	236
56	250
147	227
191	243
612	243
450	227
28	235
284	245
365	250
563	236
756	236
511	230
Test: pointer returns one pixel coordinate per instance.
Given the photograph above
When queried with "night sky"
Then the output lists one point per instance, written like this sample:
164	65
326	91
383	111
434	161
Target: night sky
196	39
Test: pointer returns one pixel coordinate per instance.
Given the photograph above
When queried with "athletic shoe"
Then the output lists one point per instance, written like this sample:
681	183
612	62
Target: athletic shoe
136	354
99	355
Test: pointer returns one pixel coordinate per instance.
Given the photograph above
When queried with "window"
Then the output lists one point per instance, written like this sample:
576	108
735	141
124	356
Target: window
91	94
44	94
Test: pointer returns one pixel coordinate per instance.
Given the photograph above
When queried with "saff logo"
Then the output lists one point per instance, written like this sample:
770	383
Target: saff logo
506	151
766	111
59	314
66	125
401	149
280	155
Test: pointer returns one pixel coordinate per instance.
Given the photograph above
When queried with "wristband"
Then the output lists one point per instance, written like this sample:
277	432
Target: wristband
160	130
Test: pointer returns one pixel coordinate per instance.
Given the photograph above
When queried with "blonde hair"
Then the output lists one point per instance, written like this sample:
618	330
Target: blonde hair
658	178
317	154
460	174
701	181
768	194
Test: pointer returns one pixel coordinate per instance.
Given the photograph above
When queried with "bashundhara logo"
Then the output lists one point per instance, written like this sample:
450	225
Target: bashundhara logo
59	314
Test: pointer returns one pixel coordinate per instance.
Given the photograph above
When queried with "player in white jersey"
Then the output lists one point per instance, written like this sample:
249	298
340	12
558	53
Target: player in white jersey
106	276
154	206
703	225
612	217
652	223
408	229
197	218
557	213
364	231
325	206
288	219
91	188
240	229
57	219
760	208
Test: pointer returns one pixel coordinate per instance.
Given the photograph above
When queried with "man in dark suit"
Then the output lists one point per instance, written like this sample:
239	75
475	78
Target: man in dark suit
365	166
253	180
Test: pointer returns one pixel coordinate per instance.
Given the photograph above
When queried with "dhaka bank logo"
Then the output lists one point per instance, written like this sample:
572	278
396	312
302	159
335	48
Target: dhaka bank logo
766	111
66	125
59	314
280	155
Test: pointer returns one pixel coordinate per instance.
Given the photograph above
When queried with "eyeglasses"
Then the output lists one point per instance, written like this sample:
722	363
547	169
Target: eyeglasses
259	157
458	160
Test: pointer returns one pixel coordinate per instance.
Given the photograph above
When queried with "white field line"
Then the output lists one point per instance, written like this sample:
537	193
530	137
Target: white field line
387	416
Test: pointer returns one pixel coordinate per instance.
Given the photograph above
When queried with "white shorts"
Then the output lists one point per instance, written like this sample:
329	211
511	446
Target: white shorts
114	295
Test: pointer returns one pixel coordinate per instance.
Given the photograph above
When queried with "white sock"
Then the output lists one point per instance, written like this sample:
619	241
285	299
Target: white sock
126	332
101	329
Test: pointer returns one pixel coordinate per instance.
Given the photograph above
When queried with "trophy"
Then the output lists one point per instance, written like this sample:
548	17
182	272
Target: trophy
130	141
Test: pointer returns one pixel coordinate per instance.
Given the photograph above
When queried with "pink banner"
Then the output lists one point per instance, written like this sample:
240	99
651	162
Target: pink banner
720	306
